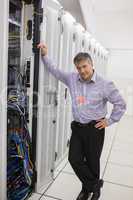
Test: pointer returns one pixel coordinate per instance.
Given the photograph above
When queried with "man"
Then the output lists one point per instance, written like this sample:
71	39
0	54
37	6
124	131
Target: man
90	93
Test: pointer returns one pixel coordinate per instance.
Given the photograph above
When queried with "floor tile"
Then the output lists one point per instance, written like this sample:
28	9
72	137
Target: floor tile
113	191
123	147
119	174
65	187
121	157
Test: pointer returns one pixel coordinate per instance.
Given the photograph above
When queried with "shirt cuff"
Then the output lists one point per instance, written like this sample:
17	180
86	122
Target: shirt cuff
45	57
110	121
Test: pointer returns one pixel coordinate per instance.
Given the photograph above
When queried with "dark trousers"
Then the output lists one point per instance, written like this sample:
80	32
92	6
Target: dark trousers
86	145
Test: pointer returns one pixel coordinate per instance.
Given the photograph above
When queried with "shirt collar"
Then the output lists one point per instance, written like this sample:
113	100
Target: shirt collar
93	78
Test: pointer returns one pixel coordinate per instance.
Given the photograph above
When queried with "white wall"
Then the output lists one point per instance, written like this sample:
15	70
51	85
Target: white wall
120	63
120	70
113	30
109	24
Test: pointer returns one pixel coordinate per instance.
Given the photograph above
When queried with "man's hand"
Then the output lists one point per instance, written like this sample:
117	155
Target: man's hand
102	123
44	49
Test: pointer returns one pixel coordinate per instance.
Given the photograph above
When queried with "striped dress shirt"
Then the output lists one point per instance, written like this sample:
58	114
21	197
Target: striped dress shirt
89	98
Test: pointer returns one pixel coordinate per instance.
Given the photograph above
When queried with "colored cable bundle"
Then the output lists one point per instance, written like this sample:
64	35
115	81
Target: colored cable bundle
19	165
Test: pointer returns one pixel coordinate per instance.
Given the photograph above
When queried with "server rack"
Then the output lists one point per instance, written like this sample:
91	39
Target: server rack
4	5
48	98
23	64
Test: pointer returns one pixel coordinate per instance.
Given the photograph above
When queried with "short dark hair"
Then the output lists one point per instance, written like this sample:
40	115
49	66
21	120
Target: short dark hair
82	56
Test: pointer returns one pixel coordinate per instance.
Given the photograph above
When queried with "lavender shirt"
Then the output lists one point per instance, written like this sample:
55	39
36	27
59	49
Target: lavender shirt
89	98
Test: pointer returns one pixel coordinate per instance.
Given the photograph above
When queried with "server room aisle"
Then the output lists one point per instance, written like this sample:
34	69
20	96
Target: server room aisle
116	168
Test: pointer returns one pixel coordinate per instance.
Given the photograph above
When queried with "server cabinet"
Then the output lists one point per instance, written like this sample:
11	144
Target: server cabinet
93	49
4	5
71	66
98	60
72	49
64	107
18	186
47	106
87	38
102	69
79	38
89	48
27	57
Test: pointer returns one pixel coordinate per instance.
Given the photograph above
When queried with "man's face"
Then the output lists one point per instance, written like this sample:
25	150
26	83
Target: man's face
85	69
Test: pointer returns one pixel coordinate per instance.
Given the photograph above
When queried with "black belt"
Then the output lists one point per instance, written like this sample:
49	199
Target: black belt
93	122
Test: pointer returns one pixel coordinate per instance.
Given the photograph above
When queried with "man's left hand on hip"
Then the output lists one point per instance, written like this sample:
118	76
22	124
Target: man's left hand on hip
102	123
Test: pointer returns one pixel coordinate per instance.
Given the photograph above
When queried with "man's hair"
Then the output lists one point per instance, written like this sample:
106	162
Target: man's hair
82	56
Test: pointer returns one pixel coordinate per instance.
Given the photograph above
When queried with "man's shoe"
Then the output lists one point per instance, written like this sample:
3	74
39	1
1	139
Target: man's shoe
83	195
95	195
96	190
